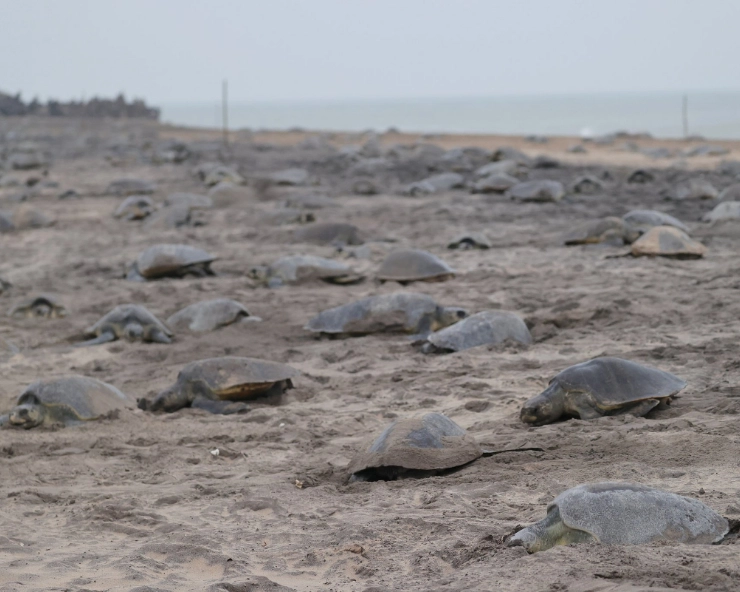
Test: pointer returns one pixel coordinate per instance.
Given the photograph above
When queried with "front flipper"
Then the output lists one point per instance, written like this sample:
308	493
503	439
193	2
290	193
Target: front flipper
219	407
638	409
102	338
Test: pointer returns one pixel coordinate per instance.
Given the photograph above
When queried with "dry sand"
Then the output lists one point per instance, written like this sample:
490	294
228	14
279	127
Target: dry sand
142	503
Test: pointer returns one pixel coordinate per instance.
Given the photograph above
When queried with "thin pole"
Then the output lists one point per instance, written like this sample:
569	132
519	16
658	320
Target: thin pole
685	116
225	110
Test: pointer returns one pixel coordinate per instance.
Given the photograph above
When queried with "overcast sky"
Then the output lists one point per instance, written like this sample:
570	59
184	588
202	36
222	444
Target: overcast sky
180	50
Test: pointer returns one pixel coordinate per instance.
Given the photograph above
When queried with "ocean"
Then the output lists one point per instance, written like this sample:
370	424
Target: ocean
710	114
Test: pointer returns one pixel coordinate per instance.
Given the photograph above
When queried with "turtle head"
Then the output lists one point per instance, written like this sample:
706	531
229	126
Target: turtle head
133	331
546	407
27	415
448	315
168	400
542	535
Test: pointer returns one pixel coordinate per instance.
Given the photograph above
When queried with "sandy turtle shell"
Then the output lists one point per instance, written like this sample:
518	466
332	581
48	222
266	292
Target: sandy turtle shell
606	230
414	265
295	269
397	312
128	321
171	260
415	446
537	191
622	514
667	241
40	305
470	240
643	220
490	327
135	207
602	386
328	233
208	315
68	401
221	385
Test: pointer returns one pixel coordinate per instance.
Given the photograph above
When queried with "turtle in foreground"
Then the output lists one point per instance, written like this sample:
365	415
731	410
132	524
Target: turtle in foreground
602	386
168	260
221	385
330	233
641	221
209	315
470	240
296	269
490	327
397	312
42	305
135	207
610	230
69	401
131	322
621	514
414	265
667	241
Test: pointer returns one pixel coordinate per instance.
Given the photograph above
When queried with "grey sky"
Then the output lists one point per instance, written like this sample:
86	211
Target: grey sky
179	50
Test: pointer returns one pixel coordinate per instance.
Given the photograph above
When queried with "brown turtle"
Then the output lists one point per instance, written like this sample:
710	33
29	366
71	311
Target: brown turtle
171	260
667	241
131	322
414	265
42	305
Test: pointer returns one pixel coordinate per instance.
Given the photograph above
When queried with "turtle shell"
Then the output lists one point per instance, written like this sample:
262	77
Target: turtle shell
470	240
629	514
135	207
727	210
614	382
77	397
538	190
122	315
125	187
325	233
232	378
597	231
667	241
644	220
386	312
731	193
207	315
29	307
489	327
299	268
413	265
429	442
164	259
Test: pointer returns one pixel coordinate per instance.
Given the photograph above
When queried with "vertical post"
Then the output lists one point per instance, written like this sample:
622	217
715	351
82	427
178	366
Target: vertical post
685	116
225	111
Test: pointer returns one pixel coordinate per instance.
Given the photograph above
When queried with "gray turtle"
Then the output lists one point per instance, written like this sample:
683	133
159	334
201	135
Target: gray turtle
398	312
490	327
606	230
414	265
176	216
124	187
470	240
170	260
290	216
209	315
296	269
643	220
537	191
495	183
435	184
415	447
135	207
587	185
502	167
131	322
602	386
667	241
221	385
730	193
330	233
68	401
727	210
622	514
640	176
41	305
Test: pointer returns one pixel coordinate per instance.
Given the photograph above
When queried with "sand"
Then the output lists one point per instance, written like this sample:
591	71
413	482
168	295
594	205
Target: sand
193	501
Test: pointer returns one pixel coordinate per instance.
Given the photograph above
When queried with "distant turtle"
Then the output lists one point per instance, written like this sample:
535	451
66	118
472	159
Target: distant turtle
696	189
135	207
435	184
68	401
602	386
168	260
414	265
42	305
131	322
176	216
502	167
621	514
310	202
404	312
730	193
290	216
667	241
587	185
296	269
643	220
495	183
415	447
470	240
124	187
538	191
330	233
27	217
640	176
727	210
605	230
208	315
490	327
508	153
191	200
221	385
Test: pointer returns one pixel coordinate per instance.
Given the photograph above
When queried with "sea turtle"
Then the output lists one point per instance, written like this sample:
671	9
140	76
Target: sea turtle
470	240
290	216
696	189
621	514
667	241
730	193
508	153
293	176
176	216
209	315
502	167
414	447
191	200
41	305
541	190
643	220
495	183
168	260
128	321
26	217
435	184
124	187
606	230
135	207
640	176
490	327
602	386
727	210
330	233
405	312
295	269
587	185
69	401
414	265
221	385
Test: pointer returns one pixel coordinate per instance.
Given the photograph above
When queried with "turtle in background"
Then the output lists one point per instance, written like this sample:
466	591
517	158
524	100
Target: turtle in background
135	207
45	306
414	265
489	327
295	269
470	240
128	321
209	315
330	233
610	230
621	514
667	241
171	260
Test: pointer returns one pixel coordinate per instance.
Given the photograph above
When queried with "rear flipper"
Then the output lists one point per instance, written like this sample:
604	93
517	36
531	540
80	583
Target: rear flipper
639	409
220	407
102	338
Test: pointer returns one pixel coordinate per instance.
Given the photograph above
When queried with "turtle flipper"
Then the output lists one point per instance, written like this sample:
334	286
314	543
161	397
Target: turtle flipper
102	338
219	407
158	336
638	409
